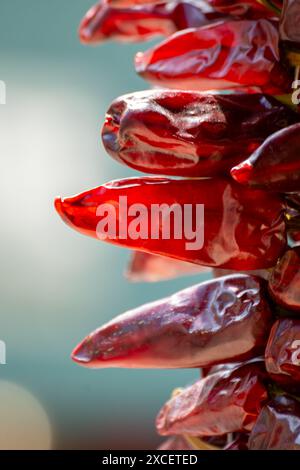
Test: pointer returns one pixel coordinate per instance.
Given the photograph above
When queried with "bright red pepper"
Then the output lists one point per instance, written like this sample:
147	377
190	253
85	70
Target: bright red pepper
224	402
145	267
223	320
219	56
284	282
242	229
282	355
103	22
130	3
277	427
275	165
188	133
252	8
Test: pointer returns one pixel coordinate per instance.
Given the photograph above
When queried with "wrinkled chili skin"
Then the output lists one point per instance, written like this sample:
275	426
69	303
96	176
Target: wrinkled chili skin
243	230
219	56
141	23
289	24
218	321
275	165
284	282
224	402
277	426
282	355
183	133
254	8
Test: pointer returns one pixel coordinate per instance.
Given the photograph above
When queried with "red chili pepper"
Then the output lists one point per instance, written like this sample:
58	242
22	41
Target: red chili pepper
275	165
284	282
252	8
224	402
223	320
145	267
242	229
188	133
219	56
289	23
277	427
140	23
282	355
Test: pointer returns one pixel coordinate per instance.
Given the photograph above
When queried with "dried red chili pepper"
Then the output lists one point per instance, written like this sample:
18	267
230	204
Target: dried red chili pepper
130	3
275	165
252	9
223	320
289	23
284	282
145	267
188	133
103	22
219	56
244	229
224	402
277	427
282	355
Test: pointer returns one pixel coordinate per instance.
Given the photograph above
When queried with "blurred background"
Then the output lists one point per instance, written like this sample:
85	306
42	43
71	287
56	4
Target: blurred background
56	286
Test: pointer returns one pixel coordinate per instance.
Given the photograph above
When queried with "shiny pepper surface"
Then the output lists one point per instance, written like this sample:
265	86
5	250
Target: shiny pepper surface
224	320
241	229
277	427
141	23
282	355
275	165
220	56
284	282
188	133
224	402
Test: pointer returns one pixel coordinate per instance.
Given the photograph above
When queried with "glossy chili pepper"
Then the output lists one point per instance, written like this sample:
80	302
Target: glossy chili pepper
103	22
239	229
188	133
224	402
222	320
145	267
251	8
289	23
275	165
284	282
278	426
220	56
282	355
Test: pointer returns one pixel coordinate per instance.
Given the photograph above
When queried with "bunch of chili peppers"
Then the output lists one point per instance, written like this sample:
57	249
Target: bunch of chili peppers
224	120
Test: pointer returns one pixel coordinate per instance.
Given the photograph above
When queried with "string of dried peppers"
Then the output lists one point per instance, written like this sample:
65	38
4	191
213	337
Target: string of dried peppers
227	125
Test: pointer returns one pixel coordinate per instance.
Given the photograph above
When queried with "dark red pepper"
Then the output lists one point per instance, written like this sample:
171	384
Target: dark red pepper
242	229
284	282
223	320
220	56
282	355
224	402
275	165
188	133
140	23
277	427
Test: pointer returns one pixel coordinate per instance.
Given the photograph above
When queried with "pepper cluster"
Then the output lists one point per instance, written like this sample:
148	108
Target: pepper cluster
223	120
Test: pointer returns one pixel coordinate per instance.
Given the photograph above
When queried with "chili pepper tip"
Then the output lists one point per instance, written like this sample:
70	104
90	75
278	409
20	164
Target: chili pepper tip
242	172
